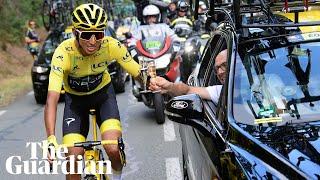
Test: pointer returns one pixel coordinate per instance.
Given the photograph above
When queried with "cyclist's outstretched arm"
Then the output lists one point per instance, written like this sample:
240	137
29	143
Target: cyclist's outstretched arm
50	112
123	57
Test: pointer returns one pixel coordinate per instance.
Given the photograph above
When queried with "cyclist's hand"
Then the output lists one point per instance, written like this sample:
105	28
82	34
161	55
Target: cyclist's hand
52	141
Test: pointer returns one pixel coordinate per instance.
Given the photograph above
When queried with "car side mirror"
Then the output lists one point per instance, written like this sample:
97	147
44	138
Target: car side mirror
188	109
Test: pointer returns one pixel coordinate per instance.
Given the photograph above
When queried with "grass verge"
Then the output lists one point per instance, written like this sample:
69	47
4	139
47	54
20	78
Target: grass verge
14	87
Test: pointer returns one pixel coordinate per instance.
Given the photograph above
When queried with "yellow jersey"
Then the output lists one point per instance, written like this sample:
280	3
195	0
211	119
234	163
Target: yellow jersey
83	75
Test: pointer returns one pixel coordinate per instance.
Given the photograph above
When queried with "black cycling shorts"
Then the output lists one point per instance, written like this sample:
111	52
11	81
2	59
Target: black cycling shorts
76	112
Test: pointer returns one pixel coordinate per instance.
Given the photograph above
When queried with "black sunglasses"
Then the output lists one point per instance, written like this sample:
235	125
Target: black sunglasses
149	16
86	35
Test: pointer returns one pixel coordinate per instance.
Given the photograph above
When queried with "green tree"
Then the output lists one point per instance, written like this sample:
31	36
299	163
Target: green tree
14	15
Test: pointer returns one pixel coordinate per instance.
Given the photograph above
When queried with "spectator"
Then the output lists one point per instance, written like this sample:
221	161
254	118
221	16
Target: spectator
32	39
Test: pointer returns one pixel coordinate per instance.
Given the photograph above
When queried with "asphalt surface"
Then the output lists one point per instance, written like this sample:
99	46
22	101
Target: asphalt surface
153	151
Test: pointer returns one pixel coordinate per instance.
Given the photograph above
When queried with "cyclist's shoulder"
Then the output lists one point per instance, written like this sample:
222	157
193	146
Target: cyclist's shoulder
67	46
111	43
108	40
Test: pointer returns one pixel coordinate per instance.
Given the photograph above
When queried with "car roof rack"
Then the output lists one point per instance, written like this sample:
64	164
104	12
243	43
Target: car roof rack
265	8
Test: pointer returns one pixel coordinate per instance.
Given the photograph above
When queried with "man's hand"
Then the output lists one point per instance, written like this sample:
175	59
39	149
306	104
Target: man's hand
160	84
52	141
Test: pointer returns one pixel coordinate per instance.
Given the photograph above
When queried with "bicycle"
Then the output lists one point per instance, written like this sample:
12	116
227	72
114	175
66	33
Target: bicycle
55	12
92	154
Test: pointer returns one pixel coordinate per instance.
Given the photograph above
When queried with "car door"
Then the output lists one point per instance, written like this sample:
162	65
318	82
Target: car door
201	153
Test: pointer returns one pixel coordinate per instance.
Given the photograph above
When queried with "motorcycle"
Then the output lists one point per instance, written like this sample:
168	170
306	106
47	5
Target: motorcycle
190	45
157	53
191	53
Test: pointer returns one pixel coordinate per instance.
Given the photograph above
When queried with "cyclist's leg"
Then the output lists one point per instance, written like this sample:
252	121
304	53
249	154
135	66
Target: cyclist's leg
75	128
108	119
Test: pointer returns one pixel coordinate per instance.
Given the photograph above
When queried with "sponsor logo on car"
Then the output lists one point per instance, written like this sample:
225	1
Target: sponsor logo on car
179	105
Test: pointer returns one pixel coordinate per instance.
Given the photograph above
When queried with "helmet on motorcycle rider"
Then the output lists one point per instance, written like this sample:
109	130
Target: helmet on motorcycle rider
89	17
151	10
182	6
202	7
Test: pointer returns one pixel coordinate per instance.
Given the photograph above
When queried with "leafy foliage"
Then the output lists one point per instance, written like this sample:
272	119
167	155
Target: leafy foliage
14	16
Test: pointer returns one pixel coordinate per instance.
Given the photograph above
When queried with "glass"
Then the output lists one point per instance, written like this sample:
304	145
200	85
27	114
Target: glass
86	35
152	70
148	69
222	66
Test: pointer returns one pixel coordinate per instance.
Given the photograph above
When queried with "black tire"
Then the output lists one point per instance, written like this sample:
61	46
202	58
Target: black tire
120	81
159	108
40	97
127	77
187	66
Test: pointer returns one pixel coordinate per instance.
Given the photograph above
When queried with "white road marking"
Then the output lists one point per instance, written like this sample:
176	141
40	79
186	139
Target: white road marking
173	169
30	93
168	129
2	112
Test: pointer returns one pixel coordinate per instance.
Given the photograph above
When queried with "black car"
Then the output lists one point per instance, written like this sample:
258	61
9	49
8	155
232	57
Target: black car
266	124
41	67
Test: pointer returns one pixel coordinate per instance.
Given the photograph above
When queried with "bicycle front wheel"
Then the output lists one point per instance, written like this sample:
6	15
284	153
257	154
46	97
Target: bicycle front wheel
101	158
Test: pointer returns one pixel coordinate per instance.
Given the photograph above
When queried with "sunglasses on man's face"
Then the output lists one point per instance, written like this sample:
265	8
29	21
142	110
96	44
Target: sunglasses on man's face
152	16
86	35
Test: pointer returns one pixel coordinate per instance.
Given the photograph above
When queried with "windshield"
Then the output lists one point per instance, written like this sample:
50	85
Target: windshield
153	38
278	86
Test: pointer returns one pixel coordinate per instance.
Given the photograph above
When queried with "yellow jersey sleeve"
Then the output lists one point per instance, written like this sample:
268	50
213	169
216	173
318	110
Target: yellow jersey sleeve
120	53
58	62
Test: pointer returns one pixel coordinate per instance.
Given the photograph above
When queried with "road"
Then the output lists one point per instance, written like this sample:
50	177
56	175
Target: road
153	151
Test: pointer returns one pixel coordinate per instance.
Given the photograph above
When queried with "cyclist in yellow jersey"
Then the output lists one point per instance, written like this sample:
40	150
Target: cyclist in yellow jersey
80	64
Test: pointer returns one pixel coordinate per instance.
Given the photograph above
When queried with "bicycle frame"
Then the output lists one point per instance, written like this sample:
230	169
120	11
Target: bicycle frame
93	155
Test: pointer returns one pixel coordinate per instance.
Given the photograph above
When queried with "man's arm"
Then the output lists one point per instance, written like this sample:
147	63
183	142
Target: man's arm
177	89
50	112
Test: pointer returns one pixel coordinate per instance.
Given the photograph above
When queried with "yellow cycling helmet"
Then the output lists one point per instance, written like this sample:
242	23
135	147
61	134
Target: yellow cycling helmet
89	17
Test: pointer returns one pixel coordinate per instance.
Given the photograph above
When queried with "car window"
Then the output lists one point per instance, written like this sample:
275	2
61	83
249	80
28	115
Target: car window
207	59
219	42
212	77
225	42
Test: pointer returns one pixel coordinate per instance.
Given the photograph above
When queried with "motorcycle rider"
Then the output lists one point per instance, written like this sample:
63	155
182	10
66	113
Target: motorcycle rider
182	22
171	12
141	4
151	17
80	65
199	24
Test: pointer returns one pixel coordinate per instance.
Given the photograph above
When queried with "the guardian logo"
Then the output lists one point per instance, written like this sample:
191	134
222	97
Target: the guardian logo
36	165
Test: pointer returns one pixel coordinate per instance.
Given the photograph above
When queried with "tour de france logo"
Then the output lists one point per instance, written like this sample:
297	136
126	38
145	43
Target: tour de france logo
40	165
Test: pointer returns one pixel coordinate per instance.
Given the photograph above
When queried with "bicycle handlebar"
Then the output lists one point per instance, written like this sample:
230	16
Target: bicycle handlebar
88	144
